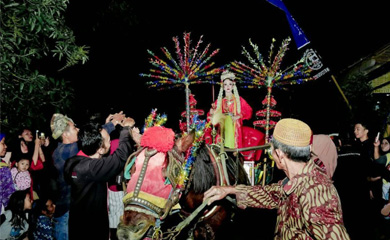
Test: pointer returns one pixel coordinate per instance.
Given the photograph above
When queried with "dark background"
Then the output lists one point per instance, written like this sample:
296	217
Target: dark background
341	32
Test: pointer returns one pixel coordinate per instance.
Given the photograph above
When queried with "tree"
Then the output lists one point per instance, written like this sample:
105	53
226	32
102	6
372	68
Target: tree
34	35
359	92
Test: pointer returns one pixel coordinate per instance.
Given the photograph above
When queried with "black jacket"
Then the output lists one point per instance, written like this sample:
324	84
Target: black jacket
88	216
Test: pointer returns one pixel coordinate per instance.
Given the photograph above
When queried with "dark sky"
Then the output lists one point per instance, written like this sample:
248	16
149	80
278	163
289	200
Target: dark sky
341	32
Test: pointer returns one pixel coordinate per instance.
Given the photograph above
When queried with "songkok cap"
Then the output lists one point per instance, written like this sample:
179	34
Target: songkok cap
292	132
58	124
227	75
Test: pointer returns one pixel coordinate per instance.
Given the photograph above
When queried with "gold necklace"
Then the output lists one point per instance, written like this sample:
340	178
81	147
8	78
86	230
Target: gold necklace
229	101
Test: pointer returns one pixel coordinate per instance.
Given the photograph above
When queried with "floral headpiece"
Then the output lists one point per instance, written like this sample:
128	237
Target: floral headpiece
228	75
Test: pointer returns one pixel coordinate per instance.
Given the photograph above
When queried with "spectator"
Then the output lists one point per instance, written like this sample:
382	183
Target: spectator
382	157
32	149
365	146
21	176
324	150
14	221
6	183
44	223
64	129
350	180
88	173
307	202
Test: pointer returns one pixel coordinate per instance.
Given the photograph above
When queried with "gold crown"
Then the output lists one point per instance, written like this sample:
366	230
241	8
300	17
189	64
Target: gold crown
227	75
292	132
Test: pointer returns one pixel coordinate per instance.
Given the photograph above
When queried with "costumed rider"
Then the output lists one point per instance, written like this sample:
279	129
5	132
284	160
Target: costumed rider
232	109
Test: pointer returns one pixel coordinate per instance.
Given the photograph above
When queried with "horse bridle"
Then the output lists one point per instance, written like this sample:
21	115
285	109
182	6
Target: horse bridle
174	168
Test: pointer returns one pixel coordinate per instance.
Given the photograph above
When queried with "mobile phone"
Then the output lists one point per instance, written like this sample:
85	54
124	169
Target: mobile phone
377	137
40	135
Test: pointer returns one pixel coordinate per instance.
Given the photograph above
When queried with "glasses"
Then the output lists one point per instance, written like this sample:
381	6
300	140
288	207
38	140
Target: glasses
270	151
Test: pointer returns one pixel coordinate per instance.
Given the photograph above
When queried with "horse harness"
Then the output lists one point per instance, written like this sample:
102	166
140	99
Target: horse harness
174	168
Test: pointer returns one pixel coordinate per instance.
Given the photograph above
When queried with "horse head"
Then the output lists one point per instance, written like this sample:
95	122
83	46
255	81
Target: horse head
155	191
148	195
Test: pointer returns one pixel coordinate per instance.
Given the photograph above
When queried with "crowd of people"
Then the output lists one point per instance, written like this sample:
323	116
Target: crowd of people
65	186
59	192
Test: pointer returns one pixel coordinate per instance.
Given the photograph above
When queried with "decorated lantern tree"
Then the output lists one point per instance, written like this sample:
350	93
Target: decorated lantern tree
191	66
193	112
261	114
261	73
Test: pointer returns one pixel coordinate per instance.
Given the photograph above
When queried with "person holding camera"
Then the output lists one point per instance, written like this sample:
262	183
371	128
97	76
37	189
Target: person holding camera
64	129
88	173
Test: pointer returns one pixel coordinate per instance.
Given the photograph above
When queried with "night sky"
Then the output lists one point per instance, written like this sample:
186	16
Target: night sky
341	33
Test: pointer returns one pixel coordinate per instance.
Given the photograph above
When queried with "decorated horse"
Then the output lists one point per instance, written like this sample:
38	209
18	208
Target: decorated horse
169	175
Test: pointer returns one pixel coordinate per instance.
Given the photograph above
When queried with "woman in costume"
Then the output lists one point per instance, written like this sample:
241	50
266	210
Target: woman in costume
234	110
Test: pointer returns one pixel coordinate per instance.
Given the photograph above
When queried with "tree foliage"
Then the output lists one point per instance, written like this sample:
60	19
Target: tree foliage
34	33
365	104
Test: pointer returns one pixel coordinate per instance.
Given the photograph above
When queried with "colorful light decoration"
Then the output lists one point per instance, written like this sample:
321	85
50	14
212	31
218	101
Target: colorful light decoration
200	127
154	119
192	66
269	75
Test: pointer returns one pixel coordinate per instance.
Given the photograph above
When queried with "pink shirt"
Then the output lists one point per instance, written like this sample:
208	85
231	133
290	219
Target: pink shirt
22	180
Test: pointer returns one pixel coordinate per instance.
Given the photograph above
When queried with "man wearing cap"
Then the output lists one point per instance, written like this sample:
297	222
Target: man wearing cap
64	129
307	203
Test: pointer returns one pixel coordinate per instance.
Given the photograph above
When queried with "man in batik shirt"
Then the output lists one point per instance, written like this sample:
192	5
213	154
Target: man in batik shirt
307	203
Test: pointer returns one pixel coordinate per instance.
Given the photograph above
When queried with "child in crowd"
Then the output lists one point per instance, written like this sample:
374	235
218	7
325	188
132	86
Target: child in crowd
20	174
14	221
44	225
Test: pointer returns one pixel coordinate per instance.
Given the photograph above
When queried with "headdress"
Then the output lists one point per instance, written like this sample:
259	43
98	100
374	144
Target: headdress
227	75
58	124
292	132
2	135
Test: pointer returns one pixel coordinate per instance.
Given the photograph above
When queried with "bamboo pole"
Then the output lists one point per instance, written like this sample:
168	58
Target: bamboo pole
188	107
341	92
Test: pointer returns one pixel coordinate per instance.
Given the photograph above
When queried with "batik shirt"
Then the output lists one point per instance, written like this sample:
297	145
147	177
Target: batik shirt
308	205
6	184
